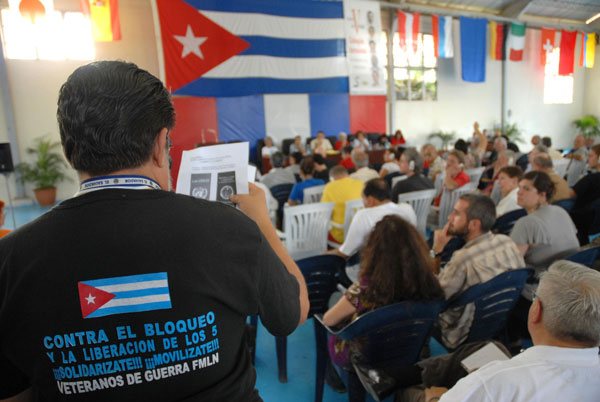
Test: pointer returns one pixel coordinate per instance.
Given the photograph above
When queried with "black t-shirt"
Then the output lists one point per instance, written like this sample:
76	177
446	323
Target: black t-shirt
136	295
415	182
587	190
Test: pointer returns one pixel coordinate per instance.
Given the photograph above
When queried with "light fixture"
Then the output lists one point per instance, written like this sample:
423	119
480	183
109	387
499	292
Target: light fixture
32	9
594	18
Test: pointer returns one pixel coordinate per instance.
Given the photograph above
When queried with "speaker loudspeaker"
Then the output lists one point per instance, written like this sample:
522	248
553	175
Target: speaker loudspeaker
6	163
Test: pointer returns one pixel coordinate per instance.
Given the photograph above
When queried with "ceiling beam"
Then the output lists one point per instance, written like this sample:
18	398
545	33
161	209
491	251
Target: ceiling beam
515	9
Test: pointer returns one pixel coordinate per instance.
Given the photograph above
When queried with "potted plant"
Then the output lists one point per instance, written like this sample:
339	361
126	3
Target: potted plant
446	138
588	126
513	132
45	172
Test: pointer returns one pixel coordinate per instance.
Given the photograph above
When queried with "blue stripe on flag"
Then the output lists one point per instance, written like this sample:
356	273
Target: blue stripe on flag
442	37
262	45
330	113
141	292
130	309
126	279
284	8
249	86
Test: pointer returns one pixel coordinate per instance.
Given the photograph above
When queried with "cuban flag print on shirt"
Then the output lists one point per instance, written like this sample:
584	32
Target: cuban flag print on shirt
124	294
217	48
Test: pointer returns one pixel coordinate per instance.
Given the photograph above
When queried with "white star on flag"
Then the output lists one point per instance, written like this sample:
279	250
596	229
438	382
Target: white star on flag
91	299
191	44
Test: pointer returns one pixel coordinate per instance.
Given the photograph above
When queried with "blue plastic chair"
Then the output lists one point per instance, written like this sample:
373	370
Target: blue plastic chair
281	193
494	301
391	336
504	223
585	257
566	204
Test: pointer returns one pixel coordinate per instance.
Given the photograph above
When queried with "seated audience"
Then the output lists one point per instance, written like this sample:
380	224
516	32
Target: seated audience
388	274
382	143
307	168
361	142
524	162
321	167
361	161
390	164
543	163
277	175
554	154
340	190
562	365
586	192
579	151
297	146
378	203
347	161
546	233
320	142
436	164
479	141
398	139
269	148
489	177
294	163
411	164
484	256
471	160
500	144
455	176
342	142
508	181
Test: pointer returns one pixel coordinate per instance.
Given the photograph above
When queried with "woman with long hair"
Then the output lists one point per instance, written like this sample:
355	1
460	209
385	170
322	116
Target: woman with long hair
395	266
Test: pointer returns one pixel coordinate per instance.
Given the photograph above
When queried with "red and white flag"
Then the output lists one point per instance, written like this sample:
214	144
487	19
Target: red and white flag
408	30
547	44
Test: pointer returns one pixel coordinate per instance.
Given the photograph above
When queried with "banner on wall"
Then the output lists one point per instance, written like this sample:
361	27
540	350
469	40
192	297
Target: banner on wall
362	25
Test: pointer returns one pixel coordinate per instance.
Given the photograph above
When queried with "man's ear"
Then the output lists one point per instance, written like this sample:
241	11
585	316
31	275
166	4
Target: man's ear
159	155
536	311
474	225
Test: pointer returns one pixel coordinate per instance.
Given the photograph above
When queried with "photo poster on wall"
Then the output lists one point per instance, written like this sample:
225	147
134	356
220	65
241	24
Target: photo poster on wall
362	26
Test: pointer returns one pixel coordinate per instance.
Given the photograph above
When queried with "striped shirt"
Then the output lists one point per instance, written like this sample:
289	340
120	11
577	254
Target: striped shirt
480	260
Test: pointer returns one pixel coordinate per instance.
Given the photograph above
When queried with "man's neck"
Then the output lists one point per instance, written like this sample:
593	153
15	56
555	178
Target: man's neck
141	171
472	236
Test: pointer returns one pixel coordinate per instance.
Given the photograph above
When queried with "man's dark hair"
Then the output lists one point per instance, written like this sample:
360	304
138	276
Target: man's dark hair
481	207
512	171
277	159
318	159
109	115
542	183
461	145
347	150
297	156
547	141
307	166
378	189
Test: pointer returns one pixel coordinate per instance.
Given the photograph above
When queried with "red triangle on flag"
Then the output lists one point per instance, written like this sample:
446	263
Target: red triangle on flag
91	298
192	43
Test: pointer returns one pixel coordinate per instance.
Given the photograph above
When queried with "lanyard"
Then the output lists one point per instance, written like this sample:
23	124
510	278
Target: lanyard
120	181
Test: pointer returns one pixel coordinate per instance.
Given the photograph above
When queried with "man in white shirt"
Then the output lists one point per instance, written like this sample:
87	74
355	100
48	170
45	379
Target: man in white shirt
361	162
378	203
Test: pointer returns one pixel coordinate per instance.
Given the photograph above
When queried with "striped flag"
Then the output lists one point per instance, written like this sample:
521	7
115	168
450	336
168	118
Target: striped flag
547	44
408	30
240	47
498	41
517	41
566	64
442	36
588	48
124	294
104	16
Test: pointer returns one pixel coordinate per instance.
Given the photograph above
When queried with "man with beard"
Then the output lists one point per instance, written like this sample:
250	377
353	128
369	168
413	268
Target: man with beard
484	256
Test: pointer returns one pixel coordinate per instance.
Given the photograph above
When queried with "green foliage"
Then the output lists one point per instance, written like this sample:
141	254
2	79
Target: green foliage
513	132
47	170
588	126
445	137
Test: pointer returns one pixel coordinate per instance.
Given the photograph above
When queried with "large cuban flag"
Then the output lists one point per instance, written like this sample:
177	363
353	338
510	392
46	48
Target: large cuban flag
219	48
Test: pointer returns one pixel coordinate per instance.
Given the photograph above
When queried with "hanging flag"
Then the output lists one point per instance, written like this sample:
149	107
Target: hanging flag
408	30
238	48
516	41
472	44
566	64
547	44
588	48
104	16
498	33
442	36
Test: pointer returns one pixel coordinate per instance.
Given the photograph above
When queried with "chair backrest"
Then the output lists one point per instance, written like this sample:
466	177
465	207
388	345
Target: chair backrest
388	178
320	274
352	207
281	193
313	194
438	184
420	201
505	223
560	166
574	172
494	301
449	199
585	257
306	227
393	336
285	145
496	194
397	179
475	174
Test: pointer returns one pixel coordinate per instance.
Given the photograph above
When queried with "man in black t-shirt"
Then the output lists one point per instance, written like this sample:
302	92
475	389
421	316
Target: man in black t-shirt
127	291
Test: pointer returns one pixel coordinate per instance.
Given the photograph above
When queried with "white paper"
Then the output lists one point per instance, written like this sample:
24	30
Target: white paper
483	356
214	172
251	173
